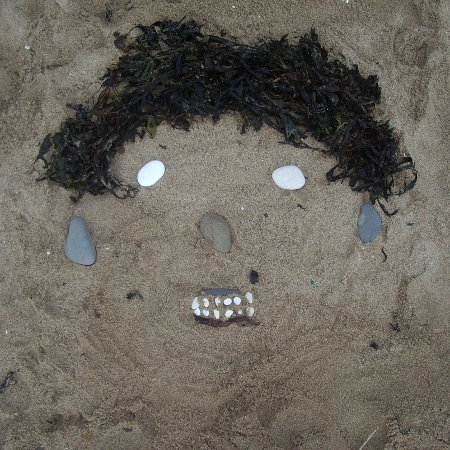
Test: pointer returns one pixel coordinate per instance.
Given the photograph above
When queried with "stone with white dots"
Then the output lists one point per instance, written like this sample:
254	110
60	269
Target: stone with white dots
221	305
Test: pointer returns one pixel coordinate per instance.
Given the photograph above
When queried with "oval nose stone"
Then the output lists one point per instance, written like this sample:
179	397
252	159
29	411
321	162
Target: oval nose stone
216	231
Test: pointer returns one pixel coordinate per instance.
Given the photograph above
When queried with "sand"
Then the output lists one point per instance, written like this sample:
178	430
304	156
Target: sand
324	369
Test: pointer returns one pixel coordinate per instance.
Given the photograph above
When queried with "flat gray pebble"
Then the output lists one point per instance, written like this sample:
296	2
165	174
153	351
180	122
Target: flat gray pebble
79	245
369	223
219	291
216	231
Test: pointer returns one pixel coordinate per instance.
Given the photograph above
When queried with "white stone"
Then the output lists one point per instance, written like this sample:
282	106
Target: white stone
249	297
216	314
197	311
217	301
239	311
151	173
206	302
228	313
195	303
227	301
237	300
206	312
288	177
250	311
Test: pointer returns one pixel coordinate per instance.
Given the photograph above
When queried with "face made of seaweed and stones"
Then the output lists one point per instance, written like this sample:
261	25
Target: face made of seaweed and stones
170	72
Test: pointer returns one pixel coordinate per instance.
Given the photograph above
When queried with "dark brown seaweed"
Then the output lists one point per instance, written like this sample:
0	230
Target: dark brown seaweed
239	320
254	276
6	382
172	72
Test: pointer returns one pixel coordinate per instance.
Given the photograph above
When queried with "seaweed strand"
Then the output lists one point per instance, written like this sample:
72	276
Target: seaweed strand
172	72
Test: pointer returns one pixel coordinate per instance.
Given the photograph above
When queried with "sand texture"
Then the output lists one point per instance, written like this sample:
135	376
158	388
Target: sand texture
325	367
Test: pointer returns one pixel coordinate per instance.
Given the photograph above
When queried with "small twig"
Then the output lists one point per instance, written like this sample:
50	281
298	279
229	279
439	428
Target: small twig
368	439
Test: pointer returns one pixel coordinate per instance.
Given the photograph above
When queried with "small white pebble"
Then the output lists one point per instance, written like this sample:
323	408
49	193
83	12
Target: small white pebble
48	252
250	311
217	301
249	297
228	313
216	314
206	312
227	301
239	311
197	311
27	47
206	302
237	300
195	303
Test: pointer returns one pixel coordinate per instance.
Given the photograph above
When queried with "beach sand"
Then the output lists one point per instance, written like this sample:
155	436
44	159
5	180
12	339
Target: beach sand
325	368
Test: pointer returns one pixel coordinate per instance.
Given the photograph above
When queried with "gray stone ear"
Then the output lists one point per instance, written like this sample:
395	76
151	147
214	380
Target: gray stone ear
369	223
79	245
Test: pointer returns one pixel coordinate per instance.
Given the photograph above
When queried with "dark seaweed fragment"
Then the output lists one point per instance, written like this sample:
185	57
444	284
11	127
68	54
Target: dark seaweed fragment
254	276
45	148
383	208
216	323
133	294
172	72
6	382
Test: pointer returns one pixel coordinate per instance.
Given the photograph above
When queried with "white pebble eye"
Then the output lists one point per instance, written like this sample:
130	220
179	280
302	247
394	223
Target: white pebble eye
151	173
228	313
250	311
249	297
216	314
217	301
206	302
195	303
237	301
206	312
227	301
197	311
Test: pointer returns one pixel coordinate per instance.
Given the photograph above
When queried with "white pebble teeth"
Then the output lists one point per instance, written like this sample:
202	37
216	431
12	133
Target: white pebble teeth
223	304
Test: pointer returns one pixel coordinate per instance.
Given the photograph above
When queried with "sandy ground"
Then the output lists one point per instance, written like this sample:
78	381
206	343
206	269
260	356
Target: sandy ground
94	370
